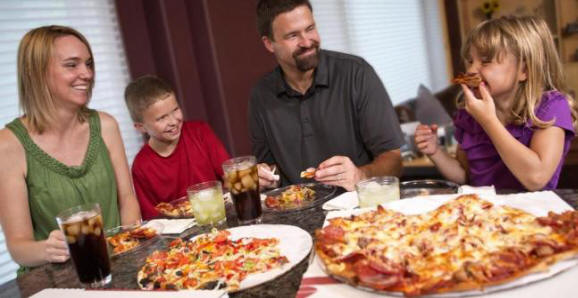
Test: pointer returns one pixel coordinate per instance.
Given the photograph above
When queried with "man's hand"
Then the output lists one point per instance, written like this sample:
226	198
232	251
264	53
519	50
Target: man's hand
339	171
426	139
267	177
56	250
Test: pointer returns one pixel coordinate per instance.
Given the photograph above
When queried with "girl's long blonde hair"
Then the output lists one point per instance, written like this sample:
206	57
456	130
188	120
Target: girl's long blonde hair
34	54
529	39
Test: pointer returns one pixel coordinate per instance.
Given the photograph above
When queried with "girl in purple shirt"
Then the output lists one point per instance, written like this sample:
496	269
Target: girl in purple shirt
515	129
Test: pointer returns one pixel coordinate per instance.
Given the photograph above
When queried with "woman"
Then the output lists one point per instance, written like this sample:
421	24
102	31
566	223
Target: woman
59	154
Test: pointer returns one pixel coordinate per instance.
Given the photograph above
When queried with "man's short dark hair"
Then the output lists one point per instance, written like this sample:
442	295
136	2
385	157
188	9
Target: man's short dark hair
268	10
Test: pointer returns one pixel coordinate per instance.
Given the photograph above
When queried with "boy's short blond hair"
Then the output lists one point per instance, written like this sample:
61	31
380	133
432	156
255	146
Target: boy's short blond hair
143	92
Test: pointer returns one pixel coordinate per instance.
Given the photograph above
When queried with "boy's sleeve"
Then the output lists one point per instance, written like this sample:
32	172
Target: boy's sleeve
145	199
217	152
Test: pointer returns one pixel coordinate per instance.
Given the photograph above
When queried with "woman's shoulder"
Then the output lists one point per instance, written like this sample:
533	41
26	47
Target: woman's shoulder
107	121
10	147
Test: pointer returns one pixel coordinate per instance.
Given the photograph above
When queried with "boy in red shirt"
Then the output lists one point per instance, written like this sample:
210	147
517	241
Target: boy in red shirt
177	154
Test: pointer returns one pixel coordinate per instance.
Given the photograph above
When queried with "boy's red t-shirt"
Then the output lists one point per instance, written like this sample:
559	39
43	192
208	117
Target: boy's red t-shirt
197	158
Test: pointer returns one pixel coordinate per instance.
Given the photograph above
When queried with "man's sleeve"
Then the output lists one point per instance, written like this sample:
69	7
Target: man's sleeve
257	134
378	123
145	201
217	152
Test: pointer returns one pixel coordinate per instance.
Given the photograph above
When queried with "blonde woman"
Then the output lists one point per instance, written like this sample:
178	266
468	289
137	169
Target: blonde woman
59	153
515	129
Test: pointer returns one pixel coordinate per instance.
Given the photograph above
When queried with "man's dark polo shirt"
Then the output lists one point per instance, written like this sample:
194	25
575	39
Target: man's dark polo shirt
345	112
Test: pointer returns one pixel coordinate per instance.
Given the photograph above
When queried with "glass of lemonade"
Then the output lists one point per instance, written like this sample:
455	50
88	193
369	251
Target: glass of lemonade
377	190
83	229
242	180
207	203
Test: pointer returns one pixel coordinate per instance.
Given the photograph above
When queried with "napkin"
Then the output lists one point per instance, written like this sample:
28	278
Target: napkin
480	190
98	293
344	201
173	226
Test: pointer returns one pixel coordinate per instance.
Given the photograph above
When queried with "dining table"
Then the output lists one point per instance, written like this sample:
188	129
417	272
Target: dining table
124	268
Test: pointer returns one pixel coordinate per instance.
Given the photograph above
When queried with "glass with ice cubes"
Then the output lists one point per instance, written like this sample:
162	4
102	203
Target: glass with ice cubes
207	203
83	228
377	190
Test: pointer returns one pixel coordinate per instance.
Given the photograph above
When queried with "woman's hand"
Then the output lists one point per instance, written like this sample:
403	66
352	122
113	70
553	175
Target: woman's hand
56	250
426	139
482	109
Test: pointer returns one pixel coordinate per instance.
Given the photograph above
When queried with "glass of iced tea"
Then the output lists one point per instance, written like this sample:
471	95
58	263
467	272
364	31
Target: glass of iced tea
207	202
377	190
242	181
82	226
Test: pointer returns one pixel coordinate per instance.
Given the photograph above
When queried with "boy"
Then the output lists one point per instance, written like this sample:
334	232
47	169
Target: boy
177	154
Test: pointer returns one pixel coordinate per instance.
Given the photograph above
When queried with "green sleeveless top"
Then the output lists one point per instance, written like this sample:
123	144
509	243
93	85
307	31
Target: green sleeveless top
53	186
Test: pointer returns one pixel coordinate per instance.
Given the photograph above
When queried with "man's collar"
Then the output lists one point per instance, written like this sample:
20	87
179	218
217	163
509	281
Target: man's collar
321	75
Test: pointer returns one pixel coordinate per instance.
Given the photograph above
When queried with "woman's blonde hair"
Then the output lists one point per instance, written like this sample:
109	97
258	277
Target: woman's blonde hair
34	54
529	39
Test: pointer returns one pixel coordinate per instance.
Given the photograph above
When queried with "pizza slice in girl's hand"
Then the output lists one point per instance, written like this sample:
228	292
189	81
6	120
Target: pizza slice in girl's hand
472	80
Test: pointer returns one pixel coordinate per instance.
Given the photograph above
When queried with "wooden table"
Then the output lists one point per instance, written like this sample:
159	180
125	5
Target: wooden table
124	268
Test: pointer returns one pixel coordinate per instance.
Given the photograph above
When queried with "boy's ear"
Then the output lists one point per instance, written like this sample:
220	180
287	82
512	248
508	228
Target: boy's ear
267	43
140	127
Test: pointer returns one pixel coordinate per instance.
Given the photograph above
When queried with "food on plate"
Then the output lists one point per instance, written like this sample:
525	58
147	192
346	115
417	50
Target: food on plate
292	197
472	80
208	260
308	174
129	239
178	208
466	244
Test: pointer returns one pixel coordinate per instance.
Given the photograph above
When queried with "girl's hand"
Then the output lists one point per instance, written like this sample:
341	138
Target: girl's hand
482	109
426	139
56	250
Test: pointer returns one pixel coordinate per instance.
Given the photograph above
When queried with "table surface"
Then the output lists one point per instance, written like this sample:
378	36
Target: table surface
124	268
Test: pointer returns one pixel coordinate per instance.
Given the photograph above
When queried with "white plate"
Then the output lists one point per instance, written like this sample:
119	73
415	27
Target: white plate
294	243
536	203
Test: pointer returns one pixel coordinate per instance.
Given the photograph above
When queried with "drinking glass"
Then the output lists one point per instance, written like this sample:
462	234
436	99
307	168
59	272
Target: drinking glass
242	180
207	203
82	226
377	190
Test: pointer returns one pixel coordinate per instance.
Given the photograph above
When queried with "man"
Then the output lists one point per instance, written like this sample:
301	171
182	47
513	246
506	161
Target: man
318	108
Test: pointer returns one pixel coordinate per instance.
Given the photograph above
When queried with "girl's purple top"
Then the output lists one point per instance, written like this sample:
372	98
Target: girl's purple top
486	165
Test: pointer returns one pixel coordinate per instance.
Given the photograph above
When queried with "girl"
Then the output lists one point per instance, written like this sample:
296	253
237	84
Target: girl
59	154
515	129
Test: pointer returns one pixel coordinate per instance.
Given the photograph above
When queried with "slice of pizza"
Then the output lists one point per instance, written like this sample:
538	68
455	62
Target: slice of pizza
308	174
472	80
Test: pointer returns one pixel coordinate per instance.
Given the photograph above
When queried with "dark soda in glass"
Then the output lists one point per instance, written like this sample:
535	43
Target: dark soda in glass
84	234
242	180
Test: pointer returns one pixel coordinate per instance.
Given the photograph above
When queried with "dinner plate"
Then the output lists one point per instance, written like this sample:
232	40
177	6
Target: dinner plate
537	204
322	193
426	187
294	243
158	227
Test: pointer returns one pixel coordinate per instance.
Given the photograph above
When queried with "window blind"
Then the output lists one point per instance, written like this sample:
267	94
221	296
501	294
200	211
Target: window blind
97	21
402	40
